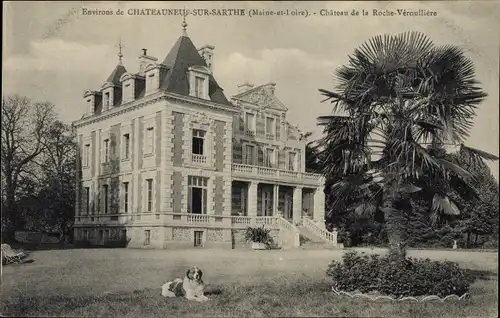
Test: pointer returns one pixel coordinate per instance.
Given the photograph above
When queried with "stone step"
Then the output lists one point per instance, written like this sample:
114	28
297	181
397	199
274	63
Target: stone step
309	236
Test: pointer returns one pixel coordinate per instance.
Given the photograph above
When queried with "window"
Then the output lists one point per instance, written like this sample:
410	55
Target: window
198	238
198	142
151	82
267	203
126	146
86	234
125	197
89	105
147	237
270	127
198	86
106	150
149	144
292	158
127	93
250	122
105	190
86	155
149	199
99	194
269	157
197	195
249	154
106	99
123	234
87	199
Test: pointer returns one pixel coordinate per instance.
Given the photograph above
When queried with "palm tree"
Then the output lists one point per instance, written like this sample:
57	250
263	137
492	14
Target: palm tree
403	100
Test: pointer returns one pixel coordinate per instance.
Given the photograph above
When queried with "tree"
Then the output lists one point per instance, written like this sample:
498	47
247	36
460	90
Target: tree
479	214
59	163
404	98
25	128
313	162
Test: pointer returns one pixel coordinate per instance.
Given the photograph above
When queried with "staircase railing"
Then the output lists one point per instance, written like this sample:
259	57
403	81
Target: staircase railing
324	234
292	231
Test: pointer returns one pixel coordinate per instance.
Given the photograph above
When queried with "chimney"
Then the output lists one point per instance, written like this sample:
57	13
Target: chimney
144	60
244	87
207	53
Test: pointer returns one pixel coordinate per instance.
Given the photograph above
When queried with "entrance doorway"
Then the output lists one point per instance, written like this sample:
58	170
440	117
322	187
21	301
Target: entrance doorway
267	203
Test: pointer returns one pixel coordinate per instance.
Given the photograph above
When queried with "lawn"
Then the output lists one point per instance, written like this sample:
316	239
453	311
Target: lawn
126	283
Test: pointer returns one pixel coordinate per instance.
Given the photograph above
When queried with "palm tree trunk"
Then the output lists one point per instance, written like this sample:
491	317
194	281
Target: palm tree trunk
397	224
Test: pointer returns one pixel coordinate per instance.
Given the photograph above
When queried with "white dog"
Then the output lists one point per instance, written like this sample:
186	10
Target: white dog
192	287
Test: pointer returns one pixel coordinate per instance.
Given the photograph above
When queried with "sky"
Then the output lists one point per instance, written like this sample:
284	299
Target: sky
53	52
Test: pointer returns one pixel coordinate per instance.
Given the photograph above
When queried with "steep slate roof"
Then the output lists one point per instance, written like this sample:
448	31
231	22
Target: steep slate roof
114	77
182	56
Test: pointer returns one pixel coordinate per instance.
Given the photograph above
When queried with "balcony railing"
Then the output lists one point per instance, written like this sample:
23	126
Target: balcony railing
198	159
248	171
176	219
258	134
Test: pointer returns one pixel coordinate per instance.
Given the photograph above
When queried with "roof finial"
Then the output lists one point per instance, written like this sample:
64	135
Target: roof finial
120	47
184	23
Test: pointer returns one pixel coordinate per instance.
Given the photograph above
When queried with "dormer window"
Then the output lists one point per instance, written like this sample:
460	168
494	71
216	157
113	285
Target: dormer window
152	75
106	99
151	81
92	99
127	92
129	83
198	81
90	107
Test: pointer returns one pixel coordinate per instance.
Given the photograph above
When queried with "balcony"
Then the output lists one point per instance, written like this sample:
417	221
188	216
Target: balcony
258	134
198	159
250	133
256	172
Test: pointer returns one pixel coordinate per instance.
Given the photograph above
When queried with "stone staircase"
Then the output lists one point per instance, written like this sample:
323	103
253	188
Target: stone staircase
310	240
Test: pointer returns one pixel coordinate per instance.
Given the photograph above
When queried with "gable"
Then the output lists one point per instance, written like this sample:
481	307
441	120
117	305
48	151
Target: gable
262	97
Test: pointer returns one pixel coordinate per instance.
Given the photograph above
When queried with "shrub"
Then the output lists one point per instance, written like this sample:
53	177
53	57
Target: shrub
84	243
258	235
397	275
491	243
344	237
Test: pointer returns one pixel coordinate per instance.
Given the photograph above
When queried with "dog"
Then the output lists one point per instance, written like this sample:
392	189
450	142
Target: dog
191	287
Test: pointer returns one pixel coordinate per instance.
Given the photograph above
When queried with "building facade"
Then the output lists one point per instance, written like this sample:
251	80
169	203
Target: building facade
166	160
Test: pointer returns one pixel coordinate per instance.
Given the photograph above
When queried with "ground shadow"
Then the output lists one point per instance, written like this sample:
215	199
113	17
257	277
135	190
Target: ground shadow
475	274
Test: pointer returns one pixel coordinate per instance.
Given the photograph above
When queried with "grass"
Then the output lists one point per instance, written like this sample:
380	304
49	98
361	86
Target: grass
126	283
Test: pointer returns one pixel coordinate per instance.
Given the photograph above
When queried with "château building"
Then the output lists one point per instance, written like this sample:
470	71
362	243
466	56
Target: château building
168	161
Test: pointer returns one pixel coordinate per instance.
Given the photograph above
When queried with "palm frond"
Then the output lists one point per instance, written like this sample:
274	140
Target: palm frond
444	205
473	152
